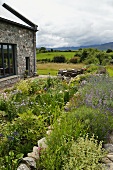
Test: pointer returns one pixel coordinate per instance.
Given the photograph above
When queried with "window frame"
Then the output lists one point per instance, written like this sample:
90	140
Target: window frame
2	55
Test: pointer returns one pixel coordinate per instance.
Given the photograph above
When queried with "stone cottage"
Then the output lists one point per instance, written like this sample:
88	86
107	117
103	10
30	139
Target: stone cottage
17	48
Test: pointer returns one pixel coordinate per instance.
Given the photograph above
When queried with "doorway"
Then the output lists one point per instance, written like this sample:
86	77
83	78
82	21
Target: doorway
27	65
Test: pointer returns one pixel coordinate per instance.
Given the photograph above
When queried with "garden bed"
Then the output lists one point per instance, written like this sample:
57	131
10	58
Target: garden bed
81	109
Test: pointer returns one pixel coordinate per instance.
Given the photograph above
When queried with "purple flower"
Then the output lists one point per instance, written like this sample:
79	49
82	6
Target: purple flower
1	135
10	138
45	89
66	109
15	133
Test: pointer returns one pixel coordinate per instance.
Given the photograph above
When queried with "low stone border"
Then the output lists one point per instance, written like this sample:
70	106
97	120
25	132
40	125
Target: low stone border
29	162
8	81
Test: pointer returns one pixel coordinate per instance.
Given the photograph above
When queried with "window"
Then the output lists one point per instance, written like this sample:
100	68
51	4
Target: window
7	62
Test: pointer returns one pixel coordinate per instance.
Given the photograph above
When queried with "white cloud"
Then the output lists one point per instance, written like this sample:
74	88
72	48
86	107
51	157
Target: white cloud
67	23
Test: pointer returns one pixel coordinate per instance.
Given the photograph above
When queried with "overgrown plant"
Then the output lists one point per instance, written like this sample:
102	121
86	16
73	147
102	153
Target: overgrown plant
21	135
85	154
72	127
98	93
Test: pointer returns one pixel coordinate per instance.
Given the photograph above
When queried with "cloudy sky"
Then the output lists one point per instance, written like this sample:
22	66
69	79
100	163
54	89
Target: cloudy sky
66	22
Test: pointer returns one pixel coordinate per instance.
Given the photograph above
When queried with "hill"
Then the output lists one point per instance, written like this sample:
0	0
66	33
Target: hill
99	47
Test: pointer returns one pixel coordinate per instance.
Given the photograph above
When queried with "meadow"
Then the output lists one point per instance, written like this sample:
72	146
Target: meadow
72	60
44	68
50	55
52	68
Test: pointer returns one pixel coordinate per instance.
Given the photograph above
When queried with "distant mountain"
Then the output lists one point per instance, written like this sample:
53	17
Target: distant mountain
99	47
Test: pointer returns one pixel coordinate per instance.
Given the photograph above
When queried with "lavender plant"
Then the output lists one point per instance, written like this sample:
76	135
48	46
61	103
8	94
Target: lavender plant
98	93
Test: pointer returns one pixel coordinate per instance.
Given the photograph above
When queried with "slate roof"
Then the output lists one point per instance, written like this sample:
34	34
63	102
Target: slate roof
30	24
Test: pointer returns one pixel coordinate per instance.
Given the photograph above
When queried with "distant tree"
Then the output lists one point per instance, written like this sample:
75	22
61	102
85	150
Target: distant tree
80	49
51	50
84	55
109	50
91	60
103	58
37	50
100	57
42	49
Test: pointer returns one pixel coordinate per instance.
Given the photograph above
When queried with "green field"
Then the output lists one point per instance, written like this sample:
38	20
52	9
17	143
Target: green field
52	68
50	55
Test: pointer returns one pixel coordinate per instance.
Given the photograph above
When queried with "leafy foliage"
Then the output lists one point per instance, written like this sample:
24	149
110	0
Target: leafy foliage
85	154
59	59
70	132
74	60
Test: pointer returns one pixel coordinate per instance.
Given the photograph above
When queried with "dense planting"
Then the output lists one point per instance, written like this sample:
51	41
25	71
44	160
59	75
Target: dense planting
79	112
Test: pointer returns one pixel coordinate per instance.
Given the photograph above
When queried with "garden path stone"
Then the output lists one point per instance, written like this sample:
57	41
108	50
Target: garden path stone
109	166
30	161
110	157
108	160
35	153
42	143
110	138
23	167
27	163
109	147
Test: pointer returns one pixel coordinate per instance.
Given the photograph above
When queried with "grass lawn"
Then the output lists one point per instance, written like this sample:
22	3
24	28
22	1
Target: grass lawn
50	55
52	68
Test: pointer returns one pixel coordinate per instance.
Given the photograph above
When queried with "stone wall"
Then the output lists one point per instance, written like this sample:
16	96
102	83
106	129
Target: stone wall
25	41
8	81
71	72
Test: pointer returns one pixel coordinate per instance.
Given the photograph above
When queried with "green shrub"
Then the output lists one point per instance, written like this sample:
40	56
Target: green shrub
44	60
59	142
23	86
106	61
59	59
84	154
92	68
48	104
10	161
91	60
110	70
94	121
9	109
108	50
74	60
70	127
21	134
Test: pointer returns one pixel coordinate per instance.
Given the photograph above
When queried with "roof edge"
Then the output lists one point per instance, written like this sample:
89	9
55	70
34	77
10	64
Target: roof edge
17	24
17	14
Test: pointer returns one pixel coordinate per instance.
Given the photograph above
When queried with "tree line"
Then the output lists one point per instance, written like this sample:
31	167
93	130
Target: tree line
86	56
